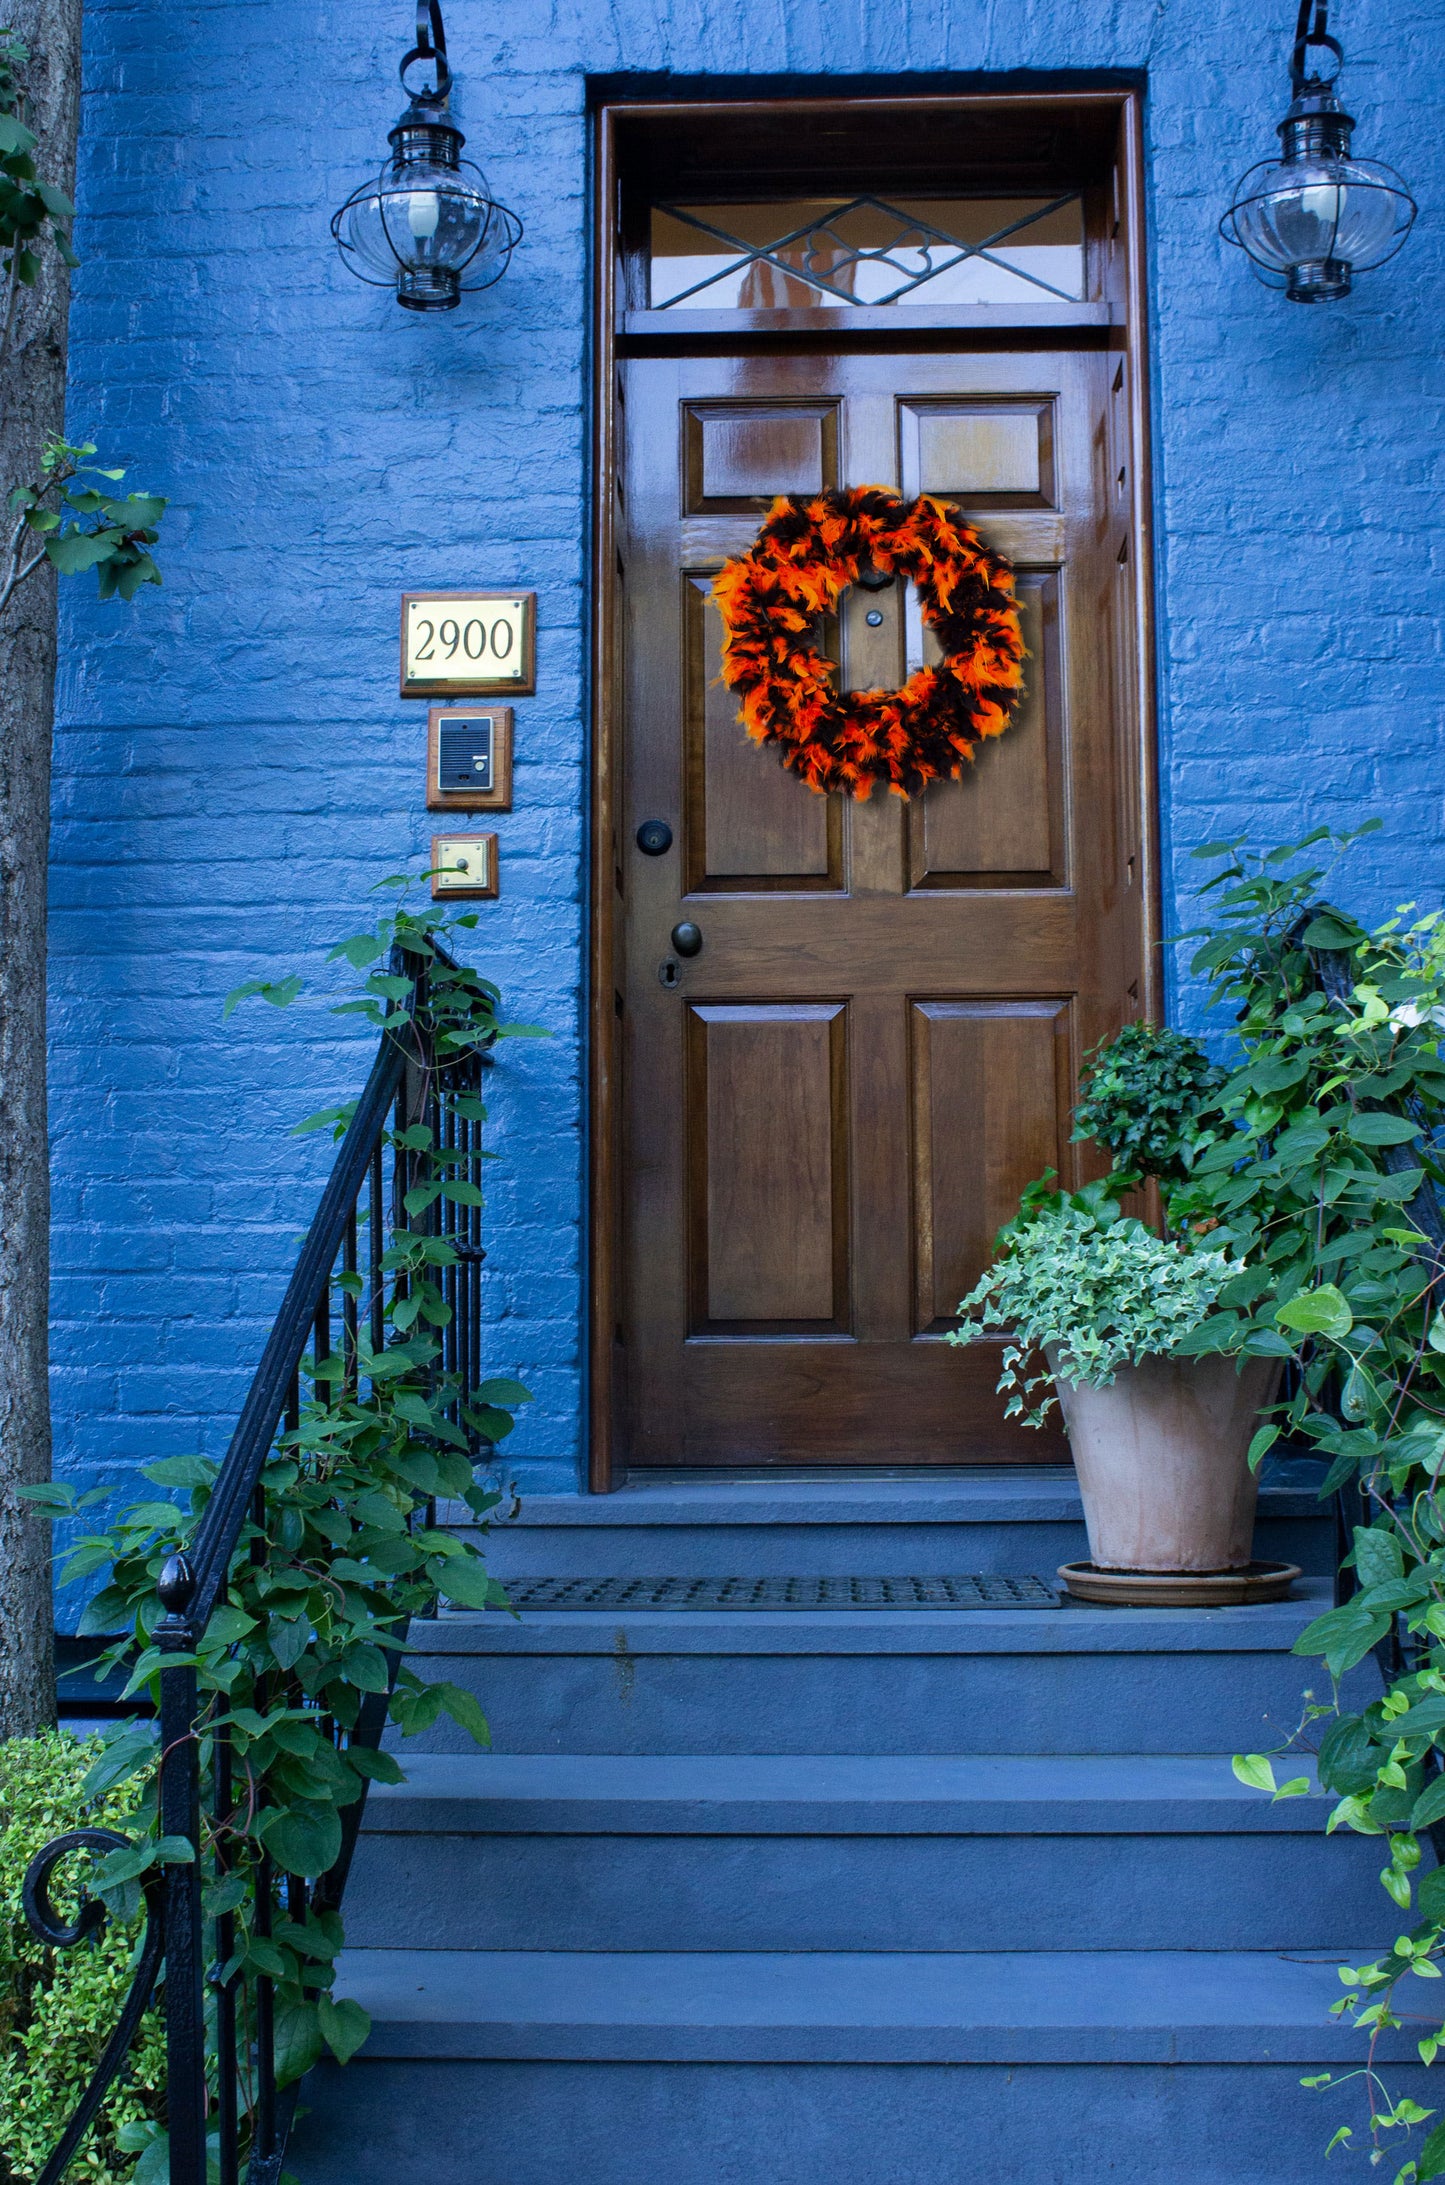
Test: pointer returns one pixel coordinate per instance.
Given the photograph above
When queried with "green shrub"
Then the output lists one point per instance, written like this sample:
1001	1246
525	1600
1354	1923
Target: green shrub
1141	1096
58	2008
1076	1273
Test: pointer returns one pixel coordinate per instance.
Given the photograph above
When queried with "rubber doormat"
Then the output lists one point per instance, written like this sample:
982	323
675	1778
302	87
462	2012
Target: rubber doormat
987	1591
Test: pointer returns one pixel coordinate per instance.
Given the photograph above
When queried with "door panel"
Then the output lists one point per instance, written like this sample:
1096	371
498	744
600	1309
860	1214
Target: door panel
827	1112
991	1098
991	454
768	1166
739	456
1002	825
747	827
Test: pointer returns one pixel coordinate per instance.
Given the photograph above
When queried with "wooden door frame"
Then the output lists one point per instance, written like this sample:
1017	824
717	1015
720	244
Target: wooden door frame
1128	333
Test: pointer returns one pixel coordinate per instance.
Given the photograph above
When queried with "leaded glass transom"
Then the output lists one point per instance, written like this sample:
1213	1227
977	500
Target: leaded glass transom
839	251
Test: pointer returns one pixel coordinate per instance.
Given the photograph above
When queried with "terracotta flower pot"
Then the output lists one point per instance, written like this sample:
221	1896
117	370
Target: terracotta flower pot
1162	1459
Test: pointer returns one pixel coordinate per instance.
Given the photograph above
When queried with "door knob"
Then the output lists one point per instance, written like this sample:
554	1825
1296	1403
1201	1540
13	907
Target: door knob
687	938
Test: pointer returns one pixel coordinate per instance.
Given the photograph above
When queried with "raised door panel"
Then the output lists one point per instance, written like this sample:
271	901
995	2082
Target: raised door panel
989	453
748	824
1003	823
991	1084
738	456
767	1167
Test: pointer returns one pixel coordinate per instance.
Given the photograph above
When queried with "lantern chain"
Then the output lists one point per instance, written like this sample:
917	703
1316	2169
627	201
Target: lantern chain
431	45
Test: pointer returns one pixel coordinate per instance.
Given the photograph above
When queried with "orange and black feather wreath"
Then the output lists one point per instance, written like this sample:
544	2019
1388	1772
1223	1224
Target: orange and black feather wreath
807	553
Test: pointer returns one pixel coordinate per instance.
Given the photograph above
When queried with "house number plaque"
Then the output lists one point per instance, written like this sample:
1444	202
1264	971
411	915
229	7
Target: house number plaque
467	644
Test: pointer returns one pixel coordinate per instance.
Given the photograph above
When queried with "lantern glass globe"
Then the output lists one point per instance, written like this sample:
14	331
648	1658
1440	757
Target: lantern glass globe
417	217
1298	212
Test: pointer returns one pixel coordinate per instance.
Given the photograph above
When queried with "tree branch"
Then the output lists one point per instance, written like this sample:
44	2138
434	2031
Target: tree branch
19	570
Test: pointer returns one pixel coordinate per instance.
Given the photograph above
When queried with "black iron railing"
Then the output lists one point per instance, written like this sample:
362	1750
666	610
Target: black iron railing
221	2053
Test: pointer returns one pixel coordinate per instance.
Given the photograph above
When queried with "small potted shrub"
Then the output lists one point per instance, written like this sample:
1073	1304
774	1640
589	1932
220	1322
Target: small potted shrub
1159	1425
1148	1098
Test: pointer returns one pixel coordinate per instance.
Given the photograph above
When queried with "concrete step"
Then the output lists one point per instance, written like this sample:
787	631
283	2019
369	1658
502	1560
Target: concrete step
1077	2007
1070	1680
722	2069
761	1852
867	1524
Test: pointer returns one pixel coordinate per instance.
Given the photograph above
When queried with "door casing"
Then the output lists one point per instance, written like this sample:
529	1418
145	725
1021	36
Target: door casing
620	128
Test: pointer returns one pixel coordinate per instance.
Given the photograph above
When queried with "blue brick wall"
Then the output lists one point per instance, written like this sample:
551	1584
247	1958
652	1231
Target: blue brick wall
234	770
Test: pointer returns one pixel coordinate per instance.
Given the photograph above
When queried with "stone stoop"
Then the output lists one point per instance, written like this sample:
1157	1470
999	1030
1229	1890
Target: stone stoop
867	1524
868	1897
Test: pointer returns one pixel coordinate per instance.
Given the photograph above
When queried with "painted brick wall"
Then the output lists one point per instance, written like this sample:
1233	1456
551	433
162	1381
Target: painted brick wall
234	769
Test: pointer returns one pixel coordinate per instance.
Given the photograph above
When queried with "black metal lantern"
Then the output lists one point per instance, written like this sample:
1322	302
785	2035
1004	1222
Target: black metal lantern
428	226
1311	219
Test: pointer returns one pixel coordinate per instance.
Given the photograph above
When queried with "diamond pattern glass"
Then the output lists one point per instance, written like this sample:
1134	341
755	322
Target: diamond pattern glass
802	253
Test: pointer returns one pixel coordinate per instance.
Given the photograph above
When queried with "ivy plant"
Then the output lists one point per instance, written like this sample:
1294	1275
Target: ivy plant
1093	1285
322	1588
1314	1165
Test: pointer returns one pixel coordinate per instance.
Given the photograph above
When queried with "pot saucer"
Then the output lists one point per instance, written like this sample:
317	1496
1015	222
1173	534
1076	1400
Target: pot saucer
1181	1589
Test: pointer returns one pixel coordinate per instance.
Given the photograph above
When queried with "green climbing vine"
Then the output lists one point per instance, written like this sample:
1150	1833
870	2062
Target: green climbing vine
1312	1160
314	1619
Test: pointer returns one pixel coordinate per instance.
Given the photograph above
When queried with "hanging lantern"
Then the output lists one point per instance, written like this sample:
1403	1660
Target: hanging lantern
1313	218
428	226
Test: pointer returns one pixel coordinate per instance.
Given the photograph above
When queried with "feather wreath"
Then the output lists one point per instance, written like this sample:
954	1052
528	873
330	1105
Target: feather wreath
809	550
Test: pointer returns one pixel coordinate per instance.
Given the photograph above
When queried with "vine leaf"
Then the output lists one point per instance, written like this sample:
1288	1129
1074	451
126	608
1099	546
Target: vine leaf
344	2026
298	2040
1429	1806
1430	2161
1378	1556
1321	1311
502	1392
304	1839
287	1636
467	1583
280	993
1343	1636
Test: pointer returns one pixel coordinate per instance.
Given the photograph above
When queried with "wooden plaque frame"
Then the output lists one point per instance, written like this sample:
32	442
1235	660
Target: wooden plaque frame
474	685
496	799
487	894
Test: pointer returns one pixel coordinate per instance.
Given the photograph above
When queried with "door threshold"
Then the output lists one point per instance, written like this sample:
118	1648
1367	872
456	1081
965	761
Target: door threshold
839	1475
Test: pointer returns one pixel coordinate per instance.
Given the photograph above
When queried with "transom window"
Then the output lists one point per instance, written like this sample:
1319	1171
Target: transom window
806	252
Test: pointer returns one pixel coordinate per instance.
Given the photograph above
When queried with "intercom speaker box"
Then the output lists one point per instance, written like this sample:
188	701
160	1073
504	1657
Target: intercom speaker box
469	759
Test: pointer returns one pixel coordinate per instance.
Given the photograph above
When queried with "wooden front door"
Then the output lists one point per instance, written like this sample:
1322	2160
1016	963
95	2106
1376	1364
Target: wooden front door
827	1111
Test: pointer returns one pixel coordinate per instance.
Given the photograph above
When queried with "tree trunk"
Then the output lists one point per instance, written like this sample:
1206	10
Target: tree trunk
32	404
